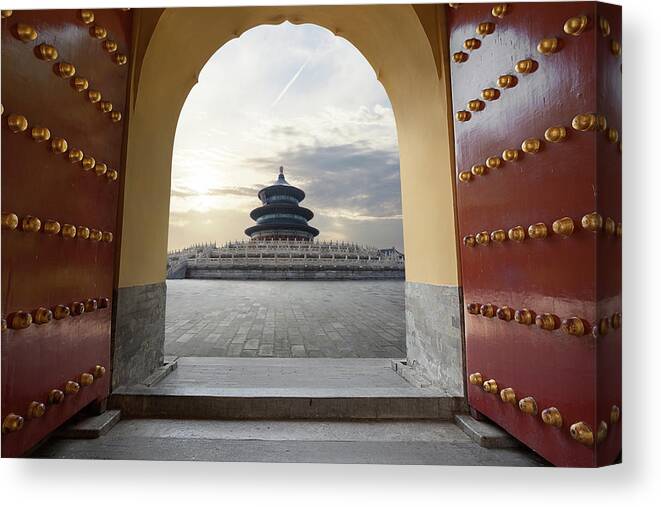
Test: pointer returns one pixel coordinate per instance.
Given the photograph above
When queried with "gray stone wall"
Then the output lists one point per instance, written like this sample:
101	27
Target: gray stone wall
434	334
294	274
138	332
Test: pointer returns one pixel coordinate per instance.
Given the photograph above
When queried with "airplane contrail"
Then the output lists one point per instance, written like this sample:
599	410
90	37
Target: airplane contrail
291	81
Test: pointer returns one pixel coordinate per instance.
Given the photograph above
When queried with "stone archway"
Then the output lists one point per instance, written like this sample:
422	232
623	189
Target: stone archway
404	45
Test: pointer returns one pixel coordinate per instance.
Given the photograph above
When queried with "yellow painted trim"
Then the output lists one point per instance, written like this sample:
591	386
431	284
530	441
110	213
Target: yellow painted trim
403	46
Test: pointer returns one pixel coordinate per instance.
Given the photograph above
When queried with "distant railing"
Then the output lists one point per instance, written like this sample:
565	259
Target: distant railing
214	262
279	244
264	254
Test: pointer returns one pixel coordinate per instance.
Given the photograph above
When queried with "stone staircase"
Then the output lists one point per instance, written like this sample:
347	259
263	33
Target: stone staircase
287	411
285	388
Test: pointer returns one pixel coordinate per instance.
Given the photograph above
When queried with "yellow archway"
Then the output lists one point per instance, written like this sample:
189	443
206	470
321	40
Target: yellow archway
405	46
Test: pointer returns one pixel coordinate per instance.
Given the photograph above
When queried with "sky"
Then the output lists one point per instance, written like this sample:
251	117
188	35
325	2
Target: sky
296	96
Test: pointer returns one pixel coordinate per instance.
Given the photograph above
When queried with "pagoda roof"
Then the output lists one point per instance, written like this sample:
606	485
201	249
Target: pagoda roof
281	208
279	227
281	186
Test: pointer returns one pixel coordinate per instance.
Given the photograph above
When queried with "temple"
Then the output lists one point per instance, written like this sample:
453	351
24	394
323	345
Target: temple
280	216
282	246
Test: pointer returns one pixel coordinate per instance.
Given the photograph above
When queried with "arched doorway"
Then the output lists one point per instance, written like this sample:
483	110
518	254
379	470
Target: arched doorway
171	47
256	273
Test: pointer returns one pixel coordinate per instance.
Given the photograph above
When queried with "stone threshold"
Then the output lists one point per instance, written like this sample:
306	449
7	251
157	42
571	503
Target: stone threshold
251	388
262	406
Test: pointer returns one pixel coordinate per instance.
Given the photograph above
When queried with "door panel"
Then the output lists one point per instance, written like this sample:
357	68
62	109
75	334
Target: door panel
45	269
609	254
574	173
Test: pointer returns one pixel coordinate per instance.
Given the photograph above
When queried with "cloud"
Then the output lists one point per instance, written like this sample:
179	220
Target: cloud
348	180
286	131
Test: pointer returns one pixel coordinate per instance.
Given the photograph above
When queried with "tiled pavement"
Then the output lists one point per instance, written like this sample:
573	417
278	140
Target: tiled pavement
223	318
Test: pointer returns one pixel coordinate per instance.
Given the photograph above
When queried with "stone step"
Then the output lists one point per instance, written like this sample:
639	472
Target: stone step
485	434
91	427
281	404
382	442
242	388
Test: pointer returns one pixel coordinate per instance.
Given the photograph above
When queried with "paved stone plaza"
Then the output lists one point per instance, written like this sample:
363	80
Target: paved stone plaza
226	318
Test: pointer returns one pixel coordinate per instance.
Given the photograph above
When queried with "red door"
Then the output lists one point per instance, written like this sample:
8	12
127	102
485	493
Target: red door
536	92
64	78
